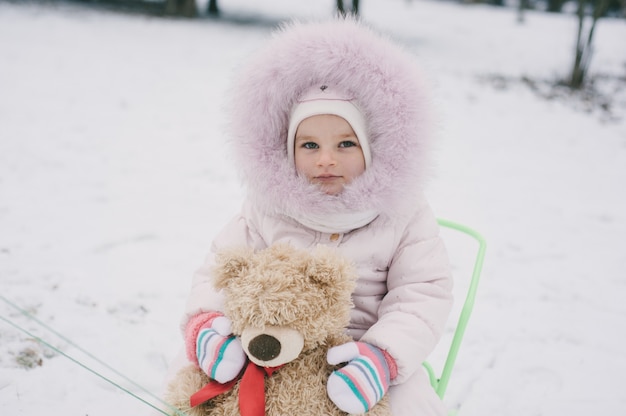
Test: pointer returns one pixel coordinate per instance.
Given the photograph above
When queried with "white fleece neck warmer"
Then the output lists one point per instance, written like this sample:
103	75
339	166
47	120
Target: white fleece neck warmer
336	223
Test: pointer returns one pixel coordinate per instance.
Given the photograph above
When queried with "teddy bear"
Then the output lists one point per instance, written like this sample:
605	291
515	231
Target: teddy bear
288	307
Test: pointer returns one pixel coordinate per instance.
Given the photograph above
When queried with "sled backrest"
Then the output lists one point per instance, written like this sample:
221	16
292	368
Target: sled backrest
440	383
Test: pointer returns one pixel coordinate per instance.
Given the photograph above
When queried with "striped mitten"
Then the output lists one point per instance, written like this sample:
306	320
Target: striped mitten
220	354
358	386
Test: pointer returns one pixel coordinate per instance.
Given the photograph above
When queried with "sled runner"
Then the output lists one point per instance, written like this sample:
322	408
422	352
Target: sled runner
440	384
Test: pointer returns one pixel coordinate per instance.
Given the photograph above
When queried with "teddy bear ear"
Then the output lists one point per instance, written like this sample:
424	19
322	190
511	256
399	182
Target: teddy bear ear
231	264
327	268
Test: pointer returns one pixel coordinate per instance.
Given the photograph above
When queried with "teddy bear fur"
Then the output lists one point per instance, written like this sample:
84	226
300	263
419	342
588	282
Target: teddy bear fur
309	292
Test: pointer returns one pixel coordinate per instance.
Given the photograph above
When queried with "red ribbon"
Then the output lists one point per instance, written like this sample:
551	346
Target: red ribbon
251	390
211	390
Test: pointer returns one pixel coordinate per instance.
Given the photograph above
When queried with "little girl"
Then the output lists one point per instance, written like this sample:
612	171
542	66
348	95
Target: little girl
329	126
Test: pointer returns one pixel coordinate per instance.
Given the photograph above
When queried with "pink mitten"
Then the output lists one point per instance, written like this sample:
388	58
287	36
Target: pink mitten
219	353
358	386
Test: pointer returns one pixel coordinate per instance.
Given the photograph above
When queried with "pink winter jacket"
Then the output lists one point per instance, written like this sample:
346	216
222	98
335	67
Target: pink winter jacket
402	298
403	294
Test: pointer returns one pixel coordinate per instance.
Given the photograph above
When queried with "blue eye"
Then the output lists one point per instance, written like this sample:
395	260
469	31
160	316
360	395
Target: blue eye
310	145
347	143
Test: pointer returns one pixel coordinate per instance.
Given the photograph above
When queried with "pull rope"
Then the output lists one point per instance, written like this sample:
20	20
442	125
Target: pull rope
29	316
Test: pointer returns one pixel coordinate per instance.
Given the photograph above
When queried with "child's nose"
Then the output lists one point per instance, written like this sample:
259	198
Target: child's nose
326	157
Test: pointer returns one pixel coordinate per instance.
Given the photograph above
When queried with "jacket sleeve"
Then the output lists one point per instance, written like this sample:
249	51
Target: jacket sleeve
203	297
413	313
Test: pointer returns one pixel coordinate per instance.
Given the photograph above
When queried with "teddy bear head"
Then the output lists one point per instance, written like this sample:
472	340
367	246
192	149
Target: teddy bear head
283	301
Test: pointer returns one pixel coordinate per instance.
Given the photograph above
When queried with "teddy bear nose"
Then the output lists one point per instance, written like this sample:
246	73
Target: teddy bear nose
264	347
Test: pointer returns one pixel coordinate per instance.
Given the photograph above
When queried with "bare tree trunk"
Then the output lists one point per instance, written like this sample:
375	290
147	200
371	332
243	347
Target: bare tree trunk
523	5
212	9
584	50
576	78
171	7
555	6
186	8
342	10
190	8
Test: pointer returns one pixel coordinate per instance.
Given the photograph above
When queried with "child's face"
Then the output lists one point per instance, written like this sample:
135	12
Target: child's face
327	152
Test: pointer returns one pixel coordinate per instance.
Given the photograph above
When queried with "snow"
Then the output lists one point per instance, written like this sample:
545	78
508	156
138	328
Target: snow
115	176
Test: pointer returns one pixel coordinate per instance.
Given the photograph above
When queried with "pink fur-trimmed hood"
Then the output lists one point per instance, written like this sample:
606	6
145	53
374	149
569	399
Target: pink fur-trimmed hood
385	83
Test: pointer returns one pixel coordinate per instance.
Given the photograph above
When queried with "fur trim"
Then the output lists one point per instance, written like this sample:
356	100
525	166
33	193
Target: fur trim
385	82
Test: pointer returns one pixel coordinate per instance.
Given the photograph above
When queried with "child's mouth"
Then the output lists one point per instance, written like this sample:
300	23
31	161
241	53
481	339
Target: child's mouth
326	178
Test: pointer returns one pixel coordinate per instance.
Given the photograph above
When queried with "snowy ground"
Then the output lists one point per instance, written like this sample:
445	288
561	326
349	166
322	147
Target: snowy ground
115	176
